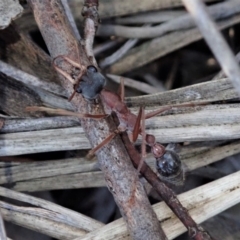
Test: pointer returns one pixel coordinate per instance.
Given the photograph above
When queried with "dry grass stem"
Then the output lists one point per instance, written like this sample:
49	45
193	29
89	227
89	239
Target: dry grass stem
215	40
151	17
166	44
29	79
215	197
203	123
3	235
111	9
128	82
63	215
202	202
78	173
217	11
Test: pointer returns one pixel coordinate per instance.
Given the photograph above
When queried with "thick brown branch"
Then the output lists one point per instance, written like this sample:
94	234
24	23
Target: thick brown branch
121	178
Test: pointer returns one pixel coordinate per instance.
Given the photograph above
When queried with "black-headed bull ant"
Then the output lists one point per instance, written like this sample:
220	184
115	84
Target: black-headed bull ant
90	83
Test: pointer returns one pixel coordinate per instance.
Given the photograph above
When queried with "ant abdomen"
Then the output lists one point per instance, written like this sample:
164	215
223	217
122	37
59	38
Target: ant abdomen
169	167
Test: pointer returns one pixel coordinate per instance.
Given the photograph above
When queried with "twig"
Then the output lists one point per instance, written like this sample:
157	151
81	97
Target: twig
71	218
25	125
146	52
3	235
23	96
29	79
9	10
77	173
48	169
221	74
212	155
91	19
106	46
151	17
201	125
126	7
52	100
166	194
202	203
215	40
154	82
71	19
36	220
212	91
217	11
118	171
119	53
128	82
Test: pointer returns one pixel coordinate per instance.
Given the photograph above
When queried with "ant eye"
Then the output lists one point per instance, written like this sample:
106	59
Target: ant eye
92	69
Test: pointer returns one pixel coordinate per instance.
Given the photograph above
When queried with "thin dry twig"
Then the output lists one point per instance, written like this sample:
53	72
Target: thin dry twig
71	19
215	40
217	12
3	235
141	86
35	124
166	44
205	123
91	19
150	17
77	173
119	53
126	7
71	218
211	91
202	203
9	10
29	79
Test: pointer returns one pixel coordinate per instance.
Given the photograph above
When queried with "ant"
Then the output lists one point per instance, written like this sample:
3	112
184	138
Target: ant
90	83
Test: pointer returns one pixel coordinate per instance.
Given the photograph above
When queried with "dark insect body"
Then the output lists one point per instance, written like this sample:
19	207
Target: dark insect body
168	163
90	83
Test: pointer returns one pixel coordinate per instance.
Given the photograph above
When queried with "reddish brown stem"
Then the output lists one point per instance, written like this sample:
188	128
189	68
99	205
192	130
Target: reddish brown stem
196	232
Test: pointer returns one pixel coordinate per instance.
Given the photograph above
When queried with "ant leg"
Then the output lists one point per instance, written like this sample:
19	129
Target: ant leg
63	112
161	110
137	126
143	146
72	63
121	90
156	112
103	143
69	60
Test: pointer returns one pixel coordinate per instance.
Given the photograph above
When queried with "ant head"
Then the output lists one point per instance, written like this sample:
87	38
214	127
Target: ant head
91	84
169	164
